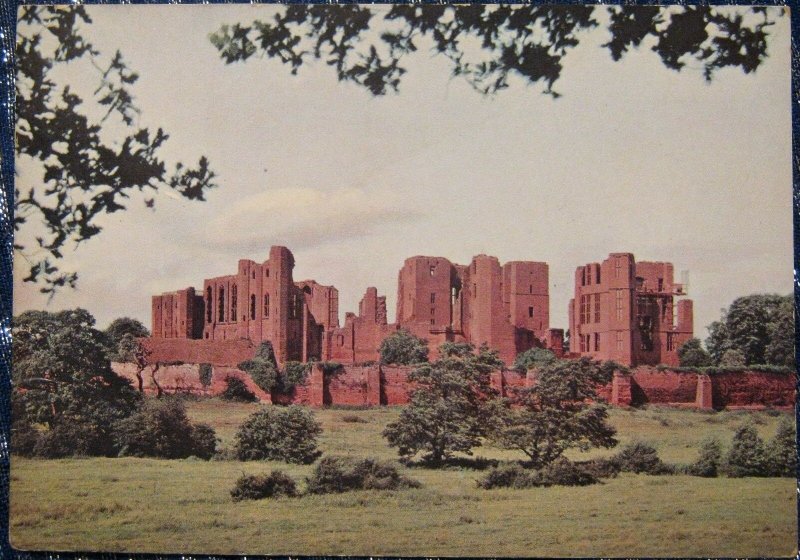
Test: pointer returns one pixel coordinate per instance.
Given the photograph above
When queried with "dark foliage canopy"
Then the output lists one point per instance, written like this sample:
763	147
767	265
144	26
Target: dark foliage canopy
554	415
522	41
760	326
88	170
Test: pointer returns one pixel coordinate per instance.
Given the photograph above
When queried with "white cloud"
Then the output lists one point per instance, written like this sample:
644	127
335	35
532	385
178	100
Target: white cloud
304	217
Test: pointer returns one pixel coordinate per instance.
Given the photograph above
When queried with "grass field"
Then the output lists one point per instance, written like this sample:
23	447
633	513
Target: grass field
184	506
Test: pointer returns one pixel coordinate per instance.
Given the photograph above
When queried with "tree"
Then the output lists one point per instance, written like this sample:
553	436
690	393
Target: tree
131	350
447	412
528	42
92	153
760	326
123	329
554	415
533	358
746	456
709	461
63	377
780	331
732	357
281	434
403	348
781	451
692	354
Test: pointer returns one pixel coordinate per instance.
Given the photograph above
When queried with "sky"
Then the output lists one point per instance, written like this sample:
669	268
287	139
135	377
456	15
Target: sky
632	157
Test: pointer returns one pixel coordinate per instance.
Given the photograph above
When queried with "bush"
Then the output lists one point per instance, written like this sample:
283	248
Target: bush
782	450
204	441
342	474
237	391
709	461
746	456
262	372
600	468
506	476
640	457
294	373
563	472
23	439
535	357
403	348
160	428
284	434
206	372
330	368
353	419
258	487
72	439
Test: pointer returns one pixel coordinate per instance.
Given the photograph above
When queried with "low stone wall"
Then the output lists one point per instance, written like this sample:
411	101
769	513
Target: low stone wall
389	385
185	378
650	385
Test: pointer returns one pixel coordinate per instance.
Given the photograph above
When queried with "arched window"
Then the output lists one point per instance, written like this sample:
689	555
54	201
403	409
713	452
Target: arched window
234	295
252	306
266	305
208	305
221	305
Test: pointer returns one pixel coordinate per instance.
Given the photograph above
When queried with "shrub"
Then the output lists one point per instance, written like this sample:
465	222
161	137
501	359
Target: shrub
294	373
204	441
262	372
342	474
160	428
708	463
746	456
330	368
206	372
258	487
236	390
403	348
72	439
23	439
600	468
284	434
353	419
782	450
563	472
506	476
640	457
535	357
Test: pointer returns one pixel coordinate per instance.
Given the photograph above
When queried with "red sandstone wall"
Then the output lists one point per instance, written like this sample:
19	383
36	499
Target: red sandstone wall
185	378
216	352
650	385
753	388
395	386
389	385
353	385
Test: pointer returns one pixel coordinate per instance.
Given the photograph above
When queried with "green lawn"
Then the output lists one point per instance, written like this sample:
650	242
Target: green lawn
184	506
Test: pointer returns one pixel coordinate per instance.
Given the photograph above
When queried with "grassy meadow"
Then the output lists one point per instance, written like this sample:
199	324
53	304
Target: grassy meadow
149	505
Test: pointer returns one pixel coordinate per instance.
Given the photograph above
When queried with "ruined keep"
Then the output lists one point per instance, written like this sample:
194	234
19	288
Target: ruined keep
627	312
506	307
